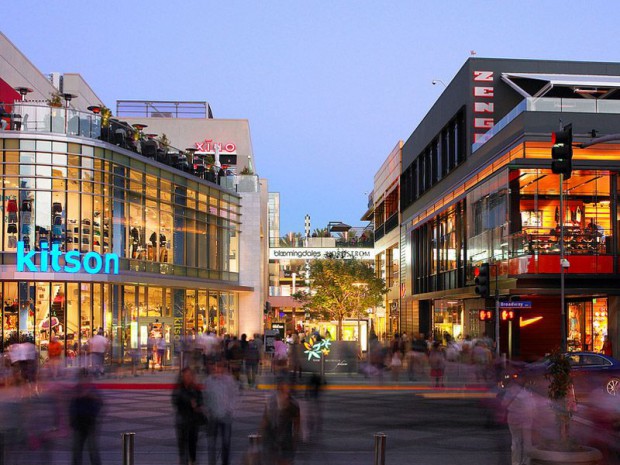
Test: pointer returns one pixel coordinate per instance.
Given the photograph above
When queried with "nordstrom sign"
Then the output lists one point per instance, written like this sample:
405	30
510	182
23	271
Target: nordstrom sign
91	263
310	253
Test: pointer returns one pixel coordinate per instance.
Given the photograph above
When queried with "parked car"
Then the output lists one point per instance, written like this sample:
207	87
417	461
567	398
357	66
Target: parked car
591	372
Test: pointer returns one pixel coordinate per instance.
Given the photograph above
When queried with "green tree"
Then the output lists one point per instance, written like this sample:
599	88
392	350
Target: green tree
292	239
320	232
341	289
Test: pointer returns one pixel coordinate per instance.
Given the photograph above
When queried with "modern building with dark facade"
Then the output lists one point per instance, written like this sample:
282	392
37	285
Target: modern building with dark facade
477	187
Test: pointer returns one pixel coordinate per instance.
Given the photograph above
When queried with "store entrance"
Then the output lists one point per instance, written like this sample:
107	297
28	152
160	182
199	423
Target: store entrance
156	329
587	324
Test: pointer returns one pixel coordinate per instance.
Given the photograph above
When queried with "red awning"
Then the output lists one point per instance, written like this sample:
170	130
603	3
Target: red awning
7	94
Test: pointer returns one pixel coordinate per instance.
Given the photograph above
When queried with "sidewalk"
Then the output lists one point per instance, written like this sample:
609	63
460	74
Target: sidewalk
458	377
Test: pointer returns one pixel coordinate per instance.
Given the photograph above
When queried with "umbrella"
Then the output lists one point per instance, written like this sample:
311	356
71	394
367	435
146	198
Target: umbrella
45	324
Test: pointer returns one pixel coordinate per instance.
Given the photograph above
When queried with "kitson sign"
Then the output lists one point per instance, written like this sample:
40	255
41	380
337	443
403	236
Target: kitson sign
55	260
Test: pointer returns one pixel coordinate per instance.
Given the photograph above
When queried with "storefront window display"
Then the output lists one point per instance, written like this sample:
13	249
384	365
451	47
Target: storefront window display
447	319
85	198
587	324
586	216
73	312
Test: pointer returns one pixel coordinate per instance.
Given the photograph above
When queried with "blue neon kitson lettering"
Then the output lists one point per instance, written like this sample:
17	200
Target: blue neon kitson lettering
91	263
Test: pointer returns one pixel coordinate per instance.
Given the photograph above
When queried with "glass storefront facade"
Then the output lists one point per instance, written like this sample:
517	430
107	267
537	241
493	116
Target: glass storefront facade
512	219
517	213
177	239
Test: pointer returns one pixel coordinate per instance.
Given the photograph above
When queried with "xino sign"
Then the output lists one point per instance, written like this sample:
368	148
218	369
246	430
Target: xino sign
209	146
484	106
307	253
50	261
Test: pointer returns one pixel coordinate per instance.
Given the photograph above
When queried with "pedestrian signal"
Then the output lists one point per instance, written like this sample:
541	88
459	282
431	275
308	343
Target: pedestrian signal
508	315
485	315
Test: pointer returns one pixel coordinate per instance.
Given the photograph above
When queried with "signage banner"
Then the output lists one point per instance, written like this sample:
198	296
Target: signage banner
314	253
517	304
55	260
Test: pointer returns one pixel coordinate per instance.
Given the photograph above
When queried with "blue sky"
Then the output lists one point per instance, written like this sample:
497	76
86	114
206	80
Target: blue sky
329	87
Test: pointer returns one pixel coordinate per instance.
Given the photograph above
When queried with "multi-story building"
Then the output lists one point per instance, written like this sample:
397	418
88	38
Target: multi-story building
103	228
477	187
384	214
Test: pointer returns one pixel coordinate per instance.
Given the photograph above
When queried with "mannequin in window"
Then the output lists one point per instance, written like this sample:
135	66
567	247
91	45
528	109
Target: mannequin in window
134	235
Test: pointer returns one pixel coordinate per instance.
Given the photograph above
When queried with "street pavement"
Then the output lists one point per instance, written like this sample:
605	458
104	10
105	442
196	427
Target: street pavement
424	425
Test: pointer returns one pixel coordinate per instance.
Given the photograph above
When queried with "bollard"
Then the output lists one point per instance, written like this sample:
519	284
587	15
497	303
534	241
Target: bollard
128	442
380	448
252	457
254	440
2	449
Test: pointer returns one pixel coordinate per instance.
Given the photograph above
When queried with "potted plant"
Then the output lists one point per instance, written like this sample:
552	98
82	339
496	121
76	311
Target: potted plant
55	99
106	114
247	171
562	402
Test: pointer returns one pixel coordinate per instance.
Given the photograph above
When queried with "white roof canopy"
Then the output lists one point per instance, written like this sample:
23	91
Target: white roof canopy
585	84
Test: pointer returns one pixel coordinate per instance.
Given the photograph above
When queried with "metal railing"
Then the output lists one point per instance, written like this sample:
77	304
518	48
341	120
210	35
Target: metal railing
561	105
162	109
30	117
41	118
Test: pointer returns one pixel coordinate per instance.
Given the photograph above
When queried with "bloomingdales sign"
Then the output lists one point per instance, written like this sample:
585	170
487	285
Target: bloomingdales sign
309	253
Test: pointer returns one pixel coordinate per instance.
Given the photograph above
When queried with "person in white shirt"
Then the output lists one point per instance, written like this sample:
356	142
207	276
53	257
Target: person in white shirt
220	393
97	346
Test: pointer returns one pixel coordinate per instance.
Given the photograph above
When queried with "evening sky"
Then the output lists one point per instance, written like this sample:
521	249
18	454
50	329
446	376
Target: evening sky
329	87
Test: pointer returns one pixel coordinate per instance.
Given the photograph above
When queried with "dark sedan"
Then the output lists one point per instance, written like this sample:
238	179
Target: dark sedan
591	372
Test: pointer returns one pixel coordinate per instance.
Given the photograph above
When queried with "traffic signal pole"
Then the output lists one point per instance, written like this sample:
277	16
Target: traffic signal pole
497	352
562	297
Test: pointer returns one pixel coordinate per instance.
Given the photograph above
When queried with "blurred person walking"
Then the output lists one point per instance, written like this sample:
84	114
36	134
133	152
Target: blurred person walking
54	353
221	392
437	362
482	359
252	359
161	352
84	412
97	346
518	402
150	348
280	426
188	403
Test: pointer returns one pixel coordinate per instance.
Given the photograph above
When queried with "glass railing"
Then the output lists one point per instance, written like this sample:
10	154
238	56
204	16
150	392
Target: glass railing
39	118
561	105
28	117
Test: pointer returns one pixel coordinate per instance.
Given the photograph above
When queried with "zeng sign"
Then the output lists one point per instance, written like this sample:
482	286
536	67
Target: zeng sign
91	263
484	107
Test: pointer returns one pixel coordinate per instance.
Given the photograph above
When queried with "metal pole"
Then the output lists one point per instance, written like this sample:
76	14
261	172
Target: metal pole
380	448
510	340
562	303
128	448
497	352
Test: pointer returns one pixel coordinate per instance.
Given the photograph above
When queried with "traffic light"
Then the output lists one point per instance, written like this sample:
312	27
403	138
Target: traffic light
485	315
482	280
507	315
267	308
562	151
